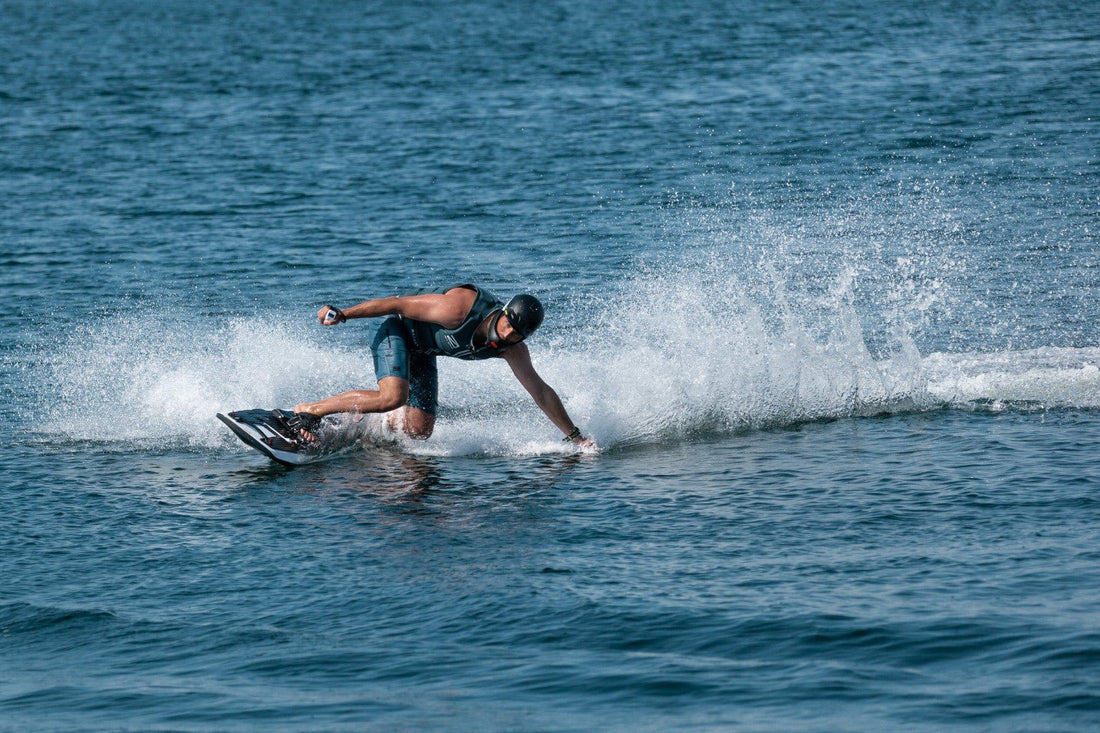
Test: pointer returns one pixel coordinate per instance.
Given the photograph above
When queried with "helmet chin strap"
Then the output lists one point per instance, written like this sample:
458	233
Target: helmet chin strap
493	337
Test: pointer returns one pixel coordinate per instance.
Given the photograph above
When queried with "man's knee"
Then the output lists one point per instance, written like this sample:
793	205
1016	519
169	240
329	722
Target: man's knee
393	392
417	424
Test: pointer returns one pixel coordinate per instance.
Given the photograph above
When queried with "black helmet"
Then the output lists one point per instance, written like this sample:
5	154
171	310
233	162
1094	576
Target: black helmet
524	312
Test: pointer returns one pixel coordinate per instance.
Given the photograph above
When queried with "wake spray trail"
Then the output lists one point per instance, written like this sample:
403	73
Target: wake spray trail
696	350
716	346
710	347
159	379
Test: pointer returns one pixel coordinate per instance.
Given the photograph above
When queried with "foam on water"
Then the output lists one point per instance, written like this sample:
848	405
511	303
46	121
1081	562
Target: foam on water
161	378
677	352
1033	379
701	351
745	317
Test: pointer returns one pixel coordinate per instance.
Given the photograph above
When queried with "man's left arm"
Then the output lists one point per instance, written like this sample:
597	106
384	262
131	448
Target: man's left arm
519	359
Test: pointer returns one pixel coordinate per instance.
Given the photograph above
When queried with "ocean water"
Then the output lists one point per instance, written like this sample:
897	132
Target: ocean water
821	280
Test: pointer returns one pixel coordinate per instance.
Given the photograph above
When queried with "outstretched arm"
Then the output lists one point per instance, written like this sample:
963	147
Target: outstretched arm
519	358
448	310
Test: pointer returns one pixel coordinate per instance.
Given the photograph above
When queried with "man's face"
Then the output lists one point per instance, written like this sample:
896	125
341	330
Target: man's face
507	332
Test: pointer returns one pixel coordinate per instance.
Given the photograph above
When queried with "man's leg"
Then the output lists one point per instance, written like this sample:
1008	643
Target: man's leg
392	392
391	367
418	416
413	421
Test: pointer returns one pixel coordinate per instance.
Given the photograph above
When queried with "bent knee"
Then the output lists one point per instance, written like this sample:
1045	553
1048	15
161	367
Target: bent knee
417	433
417	424
392	393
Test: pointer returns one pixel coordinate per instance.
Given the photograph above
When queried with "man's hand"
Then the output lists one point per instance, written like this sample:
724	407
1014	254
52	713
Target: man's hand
582	442
330	315
577	439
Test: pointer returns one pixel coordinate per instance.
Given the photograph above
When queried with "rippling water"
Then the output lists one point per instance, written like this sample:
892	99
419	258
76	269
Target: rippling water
822	283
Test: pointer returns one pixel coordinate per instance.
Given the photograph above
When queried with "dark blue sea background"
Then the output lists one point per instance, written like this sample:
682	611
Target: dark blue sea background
821	281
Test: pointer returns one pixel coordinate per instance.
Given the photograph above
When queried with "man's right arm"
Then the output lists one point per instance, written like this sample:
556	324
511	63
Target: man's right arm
373	308
448	310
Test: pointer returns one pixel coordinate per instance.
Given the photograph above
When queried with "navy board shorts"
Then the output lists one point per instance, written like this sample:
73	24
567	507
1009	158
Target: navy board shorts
394	357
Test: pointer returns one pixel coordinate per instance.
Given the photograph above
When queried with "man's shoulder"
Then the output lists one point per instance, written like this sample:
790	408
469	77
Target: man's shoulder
464	294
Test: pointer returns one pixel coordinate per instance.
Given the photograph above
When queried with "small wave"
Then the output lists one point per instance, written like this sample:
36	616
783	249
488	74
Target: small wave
1037	378
26	618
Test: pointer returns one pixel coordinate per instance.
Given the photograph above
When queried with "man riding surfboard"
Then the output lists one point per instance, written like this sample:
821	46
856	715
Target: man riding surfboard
464	322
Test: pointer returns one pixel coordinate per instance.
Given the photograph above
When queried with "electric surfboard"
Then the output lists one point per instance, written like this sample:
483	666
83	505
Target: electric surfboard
276	434
295	439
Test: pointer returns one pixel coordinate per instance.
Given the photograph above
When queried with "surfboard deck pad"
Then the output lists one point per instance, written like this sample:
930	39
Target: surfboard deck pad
274	433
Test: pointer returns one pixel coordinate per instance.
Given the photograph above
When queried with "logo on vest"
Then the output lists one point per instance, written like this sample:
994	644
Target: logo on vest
451	341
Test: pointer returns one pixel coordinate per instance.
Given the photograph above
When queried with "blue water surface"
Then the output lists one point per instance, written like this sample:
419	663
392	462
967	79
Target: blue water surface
821	282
